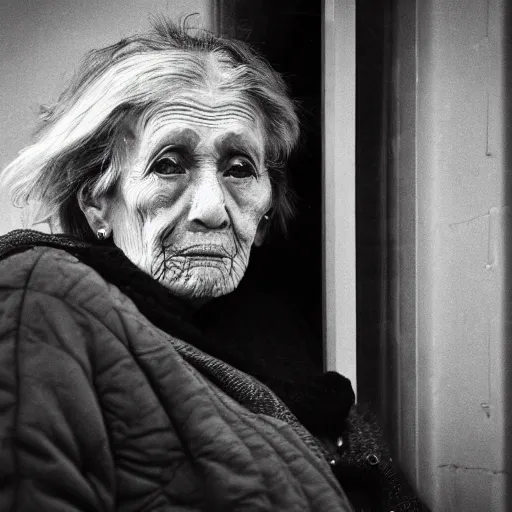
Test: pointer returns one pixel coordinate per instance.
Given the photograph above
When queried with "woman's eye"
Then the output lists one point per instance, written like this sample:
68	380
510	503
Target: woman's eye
240	168
168	165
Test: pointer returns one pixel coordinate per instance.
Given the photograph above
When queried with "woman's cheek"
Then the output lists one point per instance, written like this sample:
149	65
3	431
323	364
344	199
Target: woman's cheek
253	200
132	231
128	235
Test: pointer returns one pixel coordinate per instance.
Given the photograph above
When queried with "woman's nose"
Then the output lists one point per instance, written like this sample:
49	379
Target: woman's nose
208	207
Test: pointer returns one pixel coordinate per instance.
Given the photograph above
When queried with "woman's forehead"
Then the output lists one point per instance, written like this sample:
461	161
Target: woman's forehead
199	117
203	107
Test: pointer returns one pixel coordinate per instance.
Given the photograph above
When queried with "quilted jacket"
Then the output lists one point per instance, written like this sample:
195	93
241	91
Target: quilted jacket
100	410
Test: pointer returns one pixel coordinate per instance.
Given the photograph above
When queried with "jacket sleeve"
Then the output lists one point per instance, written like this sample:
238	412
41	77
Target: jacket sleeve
54	449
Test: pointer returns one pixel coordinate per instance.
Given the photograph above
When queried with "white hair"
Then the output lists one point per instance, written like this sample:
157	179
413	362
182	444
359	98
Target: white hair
75	149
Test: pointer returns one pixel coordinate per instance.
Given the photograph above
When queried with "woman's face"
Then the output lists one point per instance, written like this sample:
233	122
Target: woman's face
192	193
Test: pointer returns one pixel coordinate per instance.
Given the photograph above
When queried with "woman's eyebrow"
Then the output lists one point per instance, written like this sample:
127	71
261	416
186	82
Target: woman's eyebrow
241	143
181	137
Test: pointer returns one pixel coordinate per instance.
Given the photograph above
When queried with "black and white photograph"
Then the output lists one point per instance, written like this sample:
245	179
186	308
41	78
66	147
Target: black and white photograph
255	255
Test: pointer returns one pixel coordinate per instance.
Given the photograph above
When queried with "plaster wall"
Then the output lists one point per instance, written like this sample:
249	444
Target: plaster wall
453	219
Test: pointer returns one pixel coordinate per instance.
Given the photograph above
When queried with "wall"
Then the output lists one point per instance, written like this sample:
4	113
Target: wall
451	217
41	43
339	188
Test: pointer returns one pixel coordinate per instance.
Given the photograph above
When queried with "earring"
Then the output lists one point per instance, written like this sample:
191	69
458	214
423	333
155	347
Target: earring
266	217
101	234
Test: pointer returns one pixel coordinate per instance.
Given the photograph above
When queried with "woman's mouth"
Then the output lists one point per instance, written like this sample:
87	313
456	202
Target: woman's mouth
204	251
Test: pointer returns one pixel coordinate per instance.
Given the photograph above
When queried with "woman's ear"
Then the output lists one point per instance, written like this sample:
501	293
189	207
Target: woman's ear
95	208
262	230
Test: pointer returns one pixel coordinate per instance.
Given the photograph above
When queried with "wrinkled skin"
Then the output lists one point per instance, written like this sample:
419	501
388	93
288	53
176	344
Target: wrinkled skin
192	194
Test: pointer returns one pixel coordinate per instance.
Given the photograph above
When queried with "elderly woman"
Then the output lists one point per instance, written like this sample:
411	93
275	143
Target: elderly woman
163	165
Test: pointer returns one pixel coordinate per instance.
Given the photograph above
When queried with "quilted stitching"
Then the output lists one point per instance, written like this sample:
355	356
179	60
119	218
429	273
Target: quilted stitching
175	440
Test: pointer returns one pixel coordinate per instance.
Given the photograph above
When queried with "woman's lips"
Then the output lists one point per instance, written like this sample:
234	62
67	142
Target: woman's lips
204	251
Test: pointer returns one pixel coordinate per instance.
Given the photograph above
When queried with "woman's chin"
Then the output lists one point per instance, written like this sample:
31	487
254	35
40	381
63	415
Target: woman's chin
202	284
